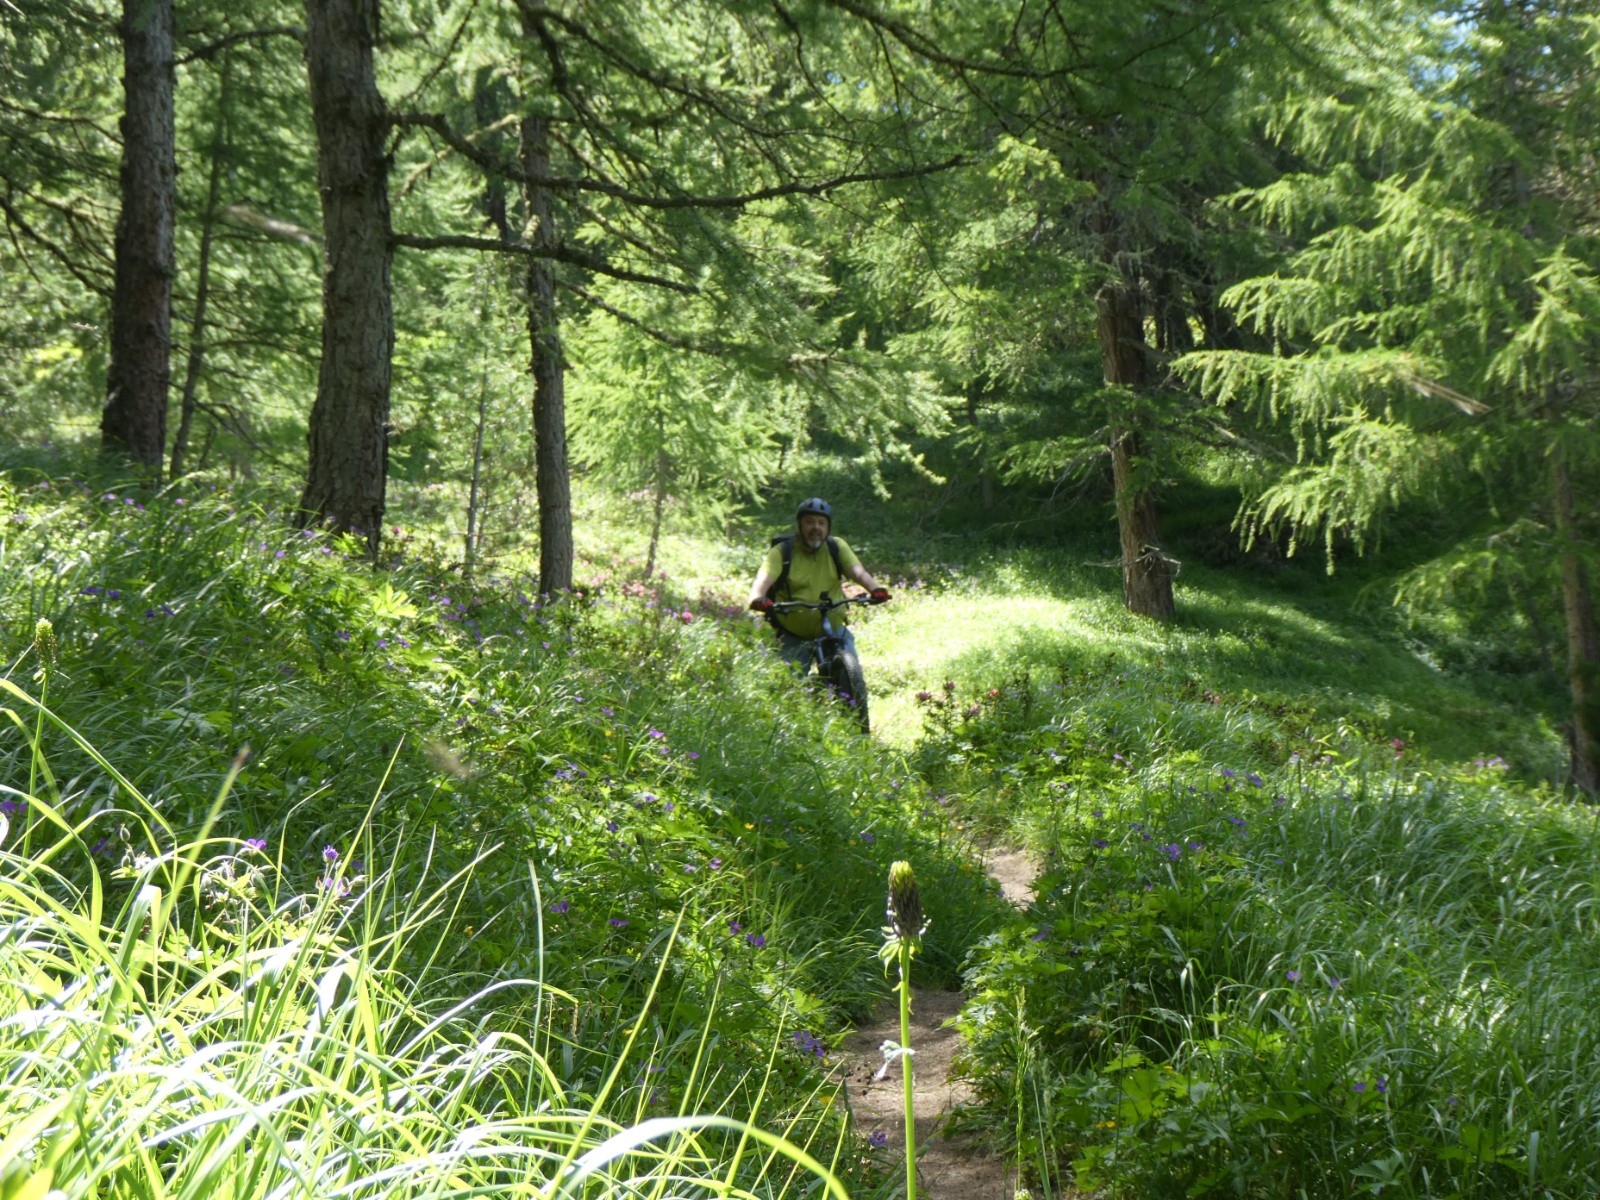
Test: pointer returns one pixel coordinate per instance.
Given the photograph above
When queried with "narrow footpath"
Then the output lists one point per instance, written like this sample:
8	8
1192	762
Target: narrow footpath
948	1168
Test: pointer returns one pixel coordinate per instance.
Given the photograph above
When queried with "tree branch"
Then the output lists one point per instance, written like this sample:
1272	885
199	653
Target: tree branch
15	221
577	258
490	162
211	49
666	339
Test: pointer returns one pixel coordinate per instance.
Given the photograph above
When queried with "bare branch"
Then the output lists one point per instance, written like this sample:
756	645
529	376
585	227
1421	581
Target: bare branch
558	253
241	214
666	339
15	221
464	146
211	49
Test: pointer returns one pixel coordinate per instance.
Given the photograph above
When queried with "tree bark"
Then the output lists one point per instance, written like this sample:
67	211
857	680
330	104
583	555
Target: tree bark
1146	578
552	474
347	471
134	420
202	288
1583	639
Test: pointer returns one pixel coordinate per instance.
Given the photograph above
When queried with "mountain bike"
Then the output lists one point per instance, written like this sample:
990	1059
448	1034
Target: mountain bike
835	662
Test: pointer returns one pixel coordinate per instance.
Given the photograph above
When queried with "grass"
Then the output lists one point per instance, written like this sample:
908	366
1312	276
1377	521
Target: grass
1274	954
556	863
186	1025
532	769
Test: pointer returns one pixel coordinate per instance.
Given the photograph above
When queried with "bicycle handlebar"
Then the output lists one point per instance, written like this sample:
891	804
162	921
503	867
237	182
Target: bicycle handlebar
823	606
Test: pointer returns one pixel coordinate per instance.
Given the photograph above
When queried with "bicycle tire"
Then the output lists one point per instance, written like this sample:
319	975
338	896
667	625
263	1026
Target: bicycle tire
850	686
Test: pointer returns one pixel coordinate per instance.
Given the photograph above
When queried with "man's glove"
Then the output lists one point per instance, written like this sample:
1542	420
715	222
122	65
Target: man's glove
880	595
762	604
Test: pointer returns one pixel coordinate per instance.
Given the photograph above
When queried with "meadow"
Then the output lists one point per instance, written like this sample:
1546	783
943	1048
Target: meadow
320	879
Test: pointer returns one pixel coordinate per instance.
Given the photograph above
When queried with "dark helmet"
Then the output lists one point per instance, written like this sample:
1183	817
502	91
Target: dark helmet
817	506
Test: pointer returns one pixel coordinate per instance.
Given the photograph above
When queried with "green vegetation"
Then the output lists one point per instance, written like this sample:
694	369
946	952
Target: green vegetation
395	795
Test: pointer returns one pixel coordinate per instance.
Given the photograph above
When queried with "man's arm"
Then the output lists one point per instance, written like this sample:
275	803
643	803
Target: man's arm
862	576
764	581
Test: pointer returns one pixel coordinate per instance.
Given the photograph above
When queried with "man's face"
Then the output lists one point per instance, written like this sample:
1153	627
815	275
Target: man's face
813	530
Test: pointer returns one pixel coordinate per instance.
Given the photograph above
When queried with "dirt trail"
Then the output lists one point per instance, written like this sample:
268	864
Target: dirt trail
951	1168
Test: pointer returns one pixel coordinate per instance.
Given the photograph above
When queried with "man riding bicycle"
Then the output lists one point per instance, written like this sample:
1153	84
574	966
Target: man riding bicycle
801	567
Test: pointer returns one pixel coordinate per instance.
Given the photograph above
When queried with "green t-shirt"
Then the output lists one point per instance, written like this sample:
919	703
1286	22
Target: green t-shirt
809	576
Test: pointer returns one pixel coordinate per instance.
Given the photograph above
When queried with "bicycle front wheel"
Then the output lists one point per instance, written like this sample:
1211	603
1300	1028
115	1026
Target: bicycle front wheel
850	685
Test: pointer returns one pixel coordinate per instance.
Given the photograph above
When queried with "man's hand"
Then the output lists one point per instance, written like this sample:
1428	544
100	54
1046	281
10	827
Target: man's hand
879	595
763	605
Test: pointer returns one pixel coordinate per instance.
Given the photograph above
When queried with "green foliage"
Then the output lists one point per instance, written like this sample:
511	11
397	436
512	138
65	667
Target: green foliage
402	718
1270	951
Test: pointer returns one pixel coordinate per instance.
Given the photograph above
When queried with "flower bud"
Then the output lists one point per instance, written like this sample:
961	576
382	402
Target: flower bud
44	641
905	902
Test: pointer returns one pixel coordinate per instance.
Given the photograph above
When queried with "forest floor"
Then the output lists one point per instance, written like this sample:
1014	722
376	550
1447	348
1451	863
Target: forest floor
949	1166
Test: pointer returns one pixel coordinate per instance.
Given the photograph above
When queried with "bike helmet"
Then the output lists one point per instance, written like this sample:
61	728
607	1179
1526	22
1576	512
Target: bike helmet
817	506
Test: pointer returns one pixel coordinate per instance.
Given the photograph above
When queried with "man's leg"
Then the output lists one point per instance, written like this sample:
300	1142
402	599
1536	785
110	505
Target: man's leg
799	652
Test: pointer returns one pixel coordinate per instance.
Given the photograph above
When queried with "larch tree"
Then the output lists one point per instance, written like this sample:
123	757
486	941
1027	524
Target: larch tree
134	420
1440	323
347	469
645	133
1114	127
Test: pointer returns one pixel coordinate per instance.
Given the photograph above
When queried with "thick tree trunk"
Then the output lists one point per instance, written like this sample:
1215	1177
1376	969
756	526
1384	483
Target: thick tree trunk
548	366
347	472
1583	639
1146	579
134	420
202	288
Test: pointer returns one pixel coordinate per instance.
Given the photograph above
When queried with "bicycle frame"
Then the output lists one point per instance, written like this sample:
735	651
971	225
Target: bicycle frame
826	647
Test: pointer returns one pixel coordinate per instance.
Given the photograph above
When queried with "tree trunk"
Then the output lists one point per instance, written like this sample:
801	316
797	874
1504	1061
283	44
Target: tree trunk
348	464
1583	639
660	501
1146	579
134	420
202	287
551	472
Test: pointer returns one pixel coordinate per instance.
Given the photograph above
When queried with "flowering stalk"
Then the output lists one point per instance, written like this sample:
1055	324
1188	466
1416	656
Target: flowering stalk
902	938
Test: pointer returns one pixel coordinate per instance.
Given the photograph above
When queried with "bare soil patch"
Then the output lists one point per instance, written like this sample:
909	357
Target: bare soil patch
948	1168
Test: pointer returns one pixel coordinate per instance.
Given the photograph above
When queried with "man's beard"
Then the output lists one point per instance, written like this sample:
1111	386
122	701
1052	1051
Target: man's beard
814	544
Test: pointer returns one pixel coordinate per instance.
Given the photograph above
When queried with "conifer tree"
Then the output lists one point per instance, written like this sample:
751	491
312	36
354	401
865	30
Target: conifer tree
135	416
1441	319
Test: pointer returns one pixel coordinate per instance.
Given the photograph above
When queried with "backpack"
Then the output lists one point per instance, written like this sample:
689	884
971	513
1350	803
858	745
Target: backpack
786	540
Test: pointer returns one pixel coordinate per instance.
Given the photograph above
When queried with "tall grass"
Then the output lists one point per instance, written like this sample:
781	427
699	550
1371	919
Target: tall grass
670	787
1274	957
189	1026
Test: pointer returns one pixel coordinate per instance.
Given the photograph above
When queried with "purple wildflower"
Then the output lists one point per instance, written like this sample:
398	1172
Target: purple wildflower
1099	843
755	940
878	1140
715	864
617	923
1292	976
259	845
734	927
1172	850
560	906
330	854
612	827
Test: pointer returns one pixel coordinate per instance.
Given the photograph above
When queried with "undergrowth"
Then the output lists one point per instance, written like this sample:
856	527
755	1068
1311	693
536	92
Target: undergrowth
619	768
1273	954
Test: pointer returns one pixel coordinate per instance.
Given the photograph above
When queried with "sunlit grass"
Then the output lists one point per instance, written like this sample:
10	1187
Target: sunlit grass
185	1025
